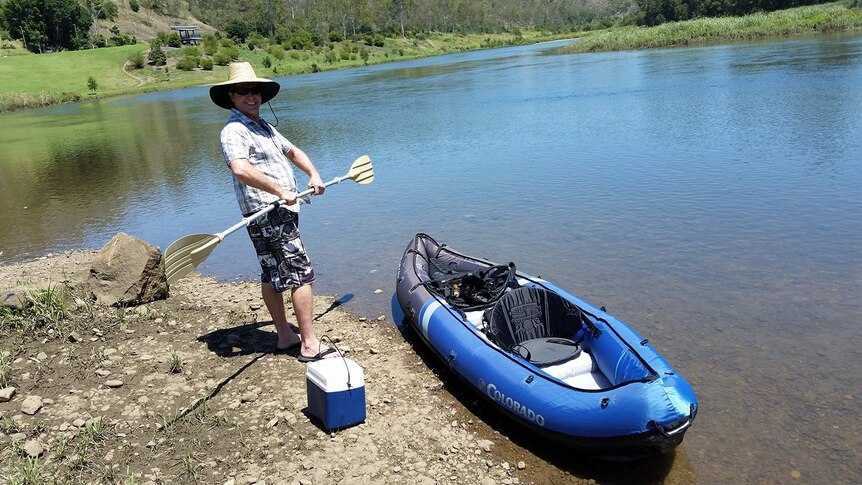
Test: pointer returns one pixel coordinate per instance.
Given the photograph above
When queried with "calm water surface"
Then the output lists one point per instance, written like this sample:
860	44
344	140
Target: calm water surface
710	196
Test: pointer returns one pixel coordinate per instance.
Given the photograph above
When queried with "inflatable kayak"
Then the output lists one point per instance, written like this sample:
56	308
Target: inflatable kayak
544	357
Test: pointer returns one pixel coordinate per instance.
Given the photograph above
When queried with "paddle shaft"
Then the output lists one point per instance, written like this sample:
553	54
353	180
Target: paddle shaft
247	220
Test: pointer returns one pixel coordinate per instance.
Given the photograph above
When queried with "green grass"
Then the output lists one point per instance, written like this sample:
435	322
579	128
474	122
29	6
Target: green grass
176	364
45	310
5	369
28	473
68	71
833	17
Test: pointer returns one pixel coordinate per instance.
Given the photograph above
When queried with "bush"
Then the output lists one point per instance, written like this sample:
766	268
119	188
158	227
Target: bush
92	84
12	101
266	62
134	5
108	11
301	40
137	60
118	39
187	63
210	43
255	40
174	40
317	38
379	40
281	34
331	57
364	54
276	51
221	58
99	40
314	67
161	38
231	52
206	64
191	51
336	36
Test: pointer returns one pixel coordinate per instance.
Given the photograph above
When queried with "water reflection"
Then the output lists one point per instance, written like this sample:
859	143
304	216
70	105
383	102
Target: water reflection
77	173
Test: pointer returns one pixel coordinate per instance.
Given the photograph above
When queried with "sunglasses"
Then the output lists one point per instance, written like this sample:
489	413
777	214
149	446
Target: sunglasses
245	90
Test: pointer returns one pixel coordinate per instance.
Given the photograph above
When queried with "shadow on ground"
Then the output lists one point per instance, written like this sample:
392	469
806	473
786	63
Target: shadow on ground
250	338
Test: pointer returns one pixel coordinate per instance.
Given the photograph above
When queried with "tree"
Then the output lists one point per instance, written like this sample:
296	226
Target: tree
41	24
237	29
157	56
92	84
109	10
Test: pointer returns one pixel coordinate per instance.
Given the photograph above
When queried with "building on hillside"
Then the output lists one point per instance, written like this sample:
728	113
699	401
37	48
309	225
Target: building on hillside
187	33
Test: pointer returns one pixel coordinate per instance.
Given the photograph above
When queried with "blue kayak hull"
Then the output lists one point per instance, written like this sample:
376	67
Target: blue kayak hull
645	408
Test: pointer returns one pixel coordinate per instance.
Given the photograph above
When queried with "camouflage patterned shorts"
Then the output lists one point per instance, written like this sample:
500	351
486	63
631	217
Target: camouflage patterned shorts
279	248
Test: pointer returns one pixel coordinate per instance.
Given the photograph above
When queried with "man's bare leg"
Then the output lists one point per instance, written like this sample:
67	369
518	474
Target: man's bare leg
274	302
303	307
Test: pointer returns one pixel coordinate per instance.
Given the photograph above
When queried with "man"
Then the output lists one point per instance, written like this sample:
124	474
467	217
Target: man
260	159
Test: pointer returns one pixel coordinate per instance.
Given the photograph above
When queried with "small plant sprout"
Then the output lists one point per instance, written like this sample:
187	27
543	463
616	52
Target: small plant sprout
5	369
190	465
176	363
29	472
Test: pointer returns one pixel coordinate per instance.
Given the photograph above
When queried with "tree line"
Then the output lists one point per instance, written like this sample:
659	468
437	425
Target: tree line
68	24
655	12
59	24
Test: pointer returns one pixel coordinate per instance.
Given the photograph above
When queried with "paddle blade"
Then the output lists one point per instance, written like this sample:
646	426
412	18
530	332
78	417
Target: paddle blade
361	171
187	253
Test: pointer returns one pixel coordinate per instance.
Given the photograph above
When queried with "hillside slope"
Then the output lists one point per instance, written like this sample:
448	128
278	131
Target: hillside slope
144	23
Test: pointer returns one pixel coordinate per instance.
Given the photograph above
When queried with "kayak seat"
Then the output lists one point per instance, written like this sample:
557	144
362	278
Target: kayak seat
536	324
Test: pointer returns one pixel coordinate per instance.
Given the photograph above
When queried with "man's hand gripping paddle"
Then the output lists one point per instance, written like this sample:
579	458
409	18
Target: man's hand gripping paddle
187	253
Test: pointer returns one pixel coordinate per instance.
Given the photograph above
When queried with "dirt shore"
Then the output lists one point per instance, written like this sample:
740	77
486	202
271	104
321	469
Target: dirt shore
186	390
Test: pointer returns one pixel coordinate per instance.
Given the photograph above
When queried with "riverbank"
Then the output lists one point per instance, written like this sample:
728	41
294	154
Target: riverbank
833	17
186	390
32	81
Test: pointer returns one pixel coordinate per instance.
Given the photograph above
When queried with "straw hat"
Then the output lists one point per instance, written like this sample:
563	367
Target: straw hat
242	73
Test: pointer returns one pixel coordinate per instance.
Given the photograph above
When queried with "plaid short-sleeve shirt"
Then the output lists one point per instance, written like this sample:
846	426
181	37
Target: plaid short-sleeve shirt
265	149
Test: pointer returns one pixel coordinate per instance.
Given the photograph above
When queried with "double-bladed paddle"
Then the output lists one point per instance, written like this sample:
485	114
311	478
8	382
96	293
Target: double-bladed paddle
187	253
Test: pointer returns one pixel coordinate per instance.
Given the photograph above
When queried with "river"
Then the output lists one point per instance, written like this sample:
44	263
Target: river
709	196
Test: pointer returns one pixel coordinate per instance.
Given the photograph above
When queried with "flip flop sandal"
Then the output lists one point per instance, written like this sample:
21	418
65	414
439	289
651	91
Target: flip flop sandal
315	358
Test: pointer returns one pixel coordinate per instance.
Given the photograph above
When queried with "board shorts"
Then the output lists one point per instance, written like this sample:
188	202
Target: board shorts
283	261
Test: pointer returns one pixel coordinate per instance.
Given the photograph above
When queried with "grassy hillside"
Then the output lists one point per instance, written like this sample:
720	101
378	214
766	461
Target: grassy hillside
144	23
832	17
68	71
